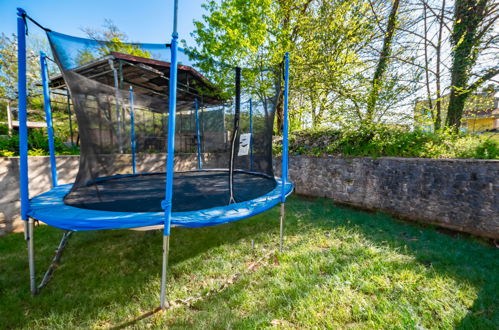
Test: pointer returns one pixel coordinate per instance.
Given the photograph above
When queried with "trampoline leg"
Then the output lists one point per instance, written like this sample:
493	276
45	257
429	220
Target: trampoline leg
31	256
55	260
283	214
26	228
166	247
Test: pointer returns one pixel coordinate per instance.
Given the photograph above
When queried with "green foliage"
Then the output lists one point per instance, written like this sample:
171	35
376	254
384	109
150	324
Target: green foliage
327	63
4	129
238	33
382	141
115	44
9	146
332	44
37	145
110	39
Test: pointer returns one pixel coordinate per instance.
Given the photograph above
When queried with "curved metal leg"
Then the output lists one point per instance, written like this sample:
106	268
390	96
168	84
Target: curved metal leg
29	236
55	260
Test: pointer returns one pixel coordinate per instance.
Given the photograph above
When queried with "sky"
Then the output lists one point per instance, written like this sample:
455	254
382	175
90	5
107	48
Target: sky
142	20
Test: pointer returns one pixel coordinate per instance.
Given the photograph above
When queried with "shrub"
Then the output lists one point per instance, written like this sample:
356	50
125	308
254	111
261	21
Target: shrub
5	153
382	140
4	129
37	145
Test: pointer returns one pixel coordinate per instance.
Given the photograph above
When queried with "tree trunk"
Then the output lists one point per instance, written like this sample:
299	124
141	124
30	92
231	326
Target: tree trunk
9	118
468	16
313	107
382	63
279	111
286	10
438	102
427	63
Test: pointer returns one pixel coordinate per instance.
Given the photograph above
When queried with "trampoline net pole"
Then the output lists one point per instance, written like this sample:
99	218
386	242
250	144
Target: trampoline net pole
68	96
132	130
235	134
198	135
167	203
284	150
48	117
166	247
23	142
117	101
285	128
251	134
22	105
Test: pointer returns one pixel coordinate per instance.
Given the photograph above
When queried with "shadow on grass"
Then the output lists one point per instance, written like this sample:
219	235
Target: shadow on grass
105	271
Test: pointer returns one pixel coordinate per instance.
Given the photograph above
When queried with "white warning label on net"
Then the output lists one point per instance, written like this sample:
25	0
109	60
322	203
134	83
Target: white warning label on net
244	144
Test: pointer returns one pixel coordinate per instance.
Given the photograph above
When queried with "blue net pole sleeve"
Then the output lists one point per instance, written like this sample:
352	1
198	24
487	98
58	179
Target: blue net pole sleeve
285	127
48	117
198	135
132	130
23	127
171	135
251	132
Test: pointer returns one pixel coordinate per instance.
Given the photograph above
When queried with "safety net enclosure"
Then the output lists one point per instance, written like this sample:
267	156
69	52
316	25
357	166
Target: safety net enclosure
120	92
166	138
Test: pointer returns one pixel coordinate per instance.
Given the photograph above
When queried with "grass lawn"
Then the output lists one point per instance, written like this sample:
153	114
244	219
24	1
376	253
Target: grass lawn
341	268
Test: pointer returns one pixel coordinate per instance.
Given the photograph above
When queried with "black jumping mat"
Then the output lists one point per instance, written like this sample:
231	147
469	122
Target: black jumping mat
192	191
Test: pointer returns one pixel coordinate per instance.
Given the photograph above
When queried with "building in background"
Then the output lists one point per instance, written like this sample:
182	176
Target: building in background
481	112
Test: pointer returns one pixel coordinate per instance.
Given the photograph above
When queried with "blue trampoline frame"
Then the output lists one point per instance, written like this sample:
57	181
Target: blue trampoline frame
77	219
49	207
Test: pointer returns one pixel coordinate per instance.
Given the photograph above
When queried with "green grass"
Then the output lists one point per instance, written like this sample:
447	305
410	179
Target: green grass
341	268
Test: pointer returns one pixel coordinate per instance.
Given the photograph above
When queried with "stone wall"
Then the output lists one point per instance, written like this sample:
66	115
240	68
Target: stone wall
460	194
39	182
454	193
67	168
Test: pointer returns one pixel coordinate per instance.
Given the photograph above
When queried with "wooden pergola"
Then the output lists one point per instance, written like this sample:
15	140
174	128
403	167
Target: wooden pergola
146	76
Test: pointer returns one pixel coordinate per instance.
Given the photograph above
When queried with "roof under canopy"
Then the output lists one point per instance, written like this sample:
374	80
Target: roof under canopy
146	76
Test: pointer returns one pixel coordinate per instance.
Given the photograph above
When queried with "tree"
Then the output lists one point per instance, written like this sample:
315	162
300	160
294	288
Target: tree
438	102
383	87
377	81
472	32
228	38
326	40
251	34
436	45
8	69
432	18
328	63
110	39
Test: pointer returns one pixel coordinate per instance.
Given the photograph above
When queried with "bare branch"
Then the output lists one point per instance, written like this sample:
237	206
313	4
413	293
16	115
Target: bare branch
436	15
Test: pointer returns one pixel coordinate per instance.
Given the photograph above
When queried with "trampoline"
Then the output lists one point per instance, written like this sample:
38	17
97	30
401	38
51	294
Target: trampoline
166	140
192	191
